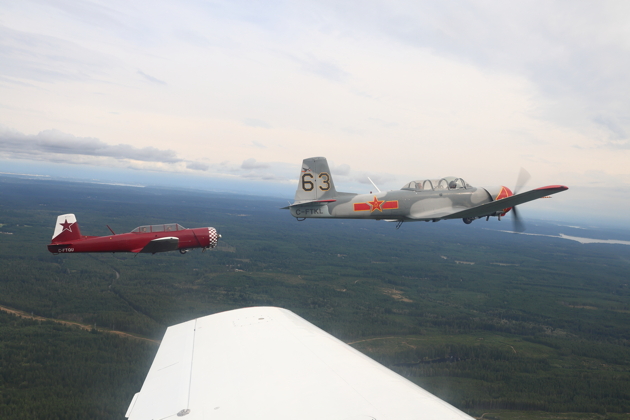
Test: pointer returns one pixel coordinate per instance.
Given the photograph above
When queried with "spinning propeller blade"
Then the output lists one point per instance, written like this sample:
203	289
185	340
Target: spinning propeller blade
521	181
518	224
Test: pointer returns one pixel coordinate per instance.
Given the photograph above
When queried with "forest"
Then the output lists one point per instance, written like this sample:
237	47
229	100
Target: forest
501	325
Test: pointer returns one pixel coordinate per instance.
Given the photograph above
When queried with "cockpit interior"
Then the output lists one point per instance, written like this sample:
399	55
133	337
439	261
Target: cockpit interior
171	227
446	183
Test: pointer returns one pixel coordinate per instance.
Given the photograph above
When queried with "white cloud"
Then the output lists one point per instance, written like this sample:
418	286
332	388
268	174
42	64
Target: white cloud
197	166
252	122
252	164
151	78
54	143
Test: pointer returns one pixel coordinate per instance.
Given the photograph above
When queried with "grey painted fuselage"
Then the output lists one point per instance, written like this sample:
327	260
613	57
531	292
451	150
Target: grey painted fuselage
423	205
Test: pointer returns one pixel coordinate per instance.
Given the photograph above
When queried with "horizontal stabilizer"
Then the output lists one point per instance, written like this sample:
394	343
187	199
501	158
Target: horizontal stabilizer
165	244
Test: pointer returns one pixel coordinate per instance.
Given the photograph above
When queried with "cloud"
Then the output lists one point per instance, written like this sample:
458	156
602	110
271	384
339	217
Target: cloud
31	56
615	128
576	55
151	78
251	169
197	166
192	38
379	178
618	145
55	142
252	164
385	124
323	68
341	170
55	146
345	178
251	122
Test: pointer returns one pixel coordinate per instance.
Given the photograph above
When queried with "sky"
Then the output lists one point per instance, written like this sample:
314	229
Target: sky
232	95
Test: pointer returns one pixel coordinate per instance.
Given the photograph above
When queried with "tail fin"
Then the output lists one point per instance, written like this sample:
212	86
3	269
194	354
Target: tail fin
315	182
66	229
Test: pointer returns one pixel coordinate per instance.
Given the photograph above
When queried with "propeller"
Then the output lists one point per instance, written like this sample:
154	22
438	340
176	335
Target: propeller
521	181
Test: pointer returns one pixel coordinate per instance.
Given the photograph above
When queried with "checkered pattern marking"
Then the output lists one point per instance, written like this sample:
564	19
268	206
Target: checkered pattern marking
213	237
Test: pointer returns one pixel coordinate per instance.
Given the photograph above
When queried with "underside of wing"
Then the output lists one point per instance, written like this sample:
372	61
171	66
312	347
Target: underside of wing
268	363
169	243
505	203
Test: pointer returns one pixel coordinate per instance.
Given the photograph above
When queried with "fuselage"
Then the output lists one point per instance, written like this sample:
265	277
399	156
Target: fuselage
397	204
135	241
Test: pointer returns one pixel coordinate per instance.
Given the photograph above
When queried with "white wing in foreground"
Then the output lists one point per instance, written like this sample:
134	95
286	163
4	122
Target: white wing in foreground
268	363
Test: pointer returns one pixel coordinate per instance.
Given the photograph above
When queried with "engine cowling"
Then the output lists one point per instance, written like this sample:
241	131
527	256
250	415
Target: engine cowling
497	193
213	237
207	237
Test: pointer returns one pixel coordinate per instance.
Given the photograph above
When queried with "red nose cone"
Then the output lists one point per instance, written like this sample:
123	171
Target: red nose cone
504	193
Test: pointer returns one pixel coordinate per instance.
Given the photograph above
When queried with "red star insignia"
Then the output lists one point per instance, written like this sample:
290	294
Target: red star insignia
376	204
66	226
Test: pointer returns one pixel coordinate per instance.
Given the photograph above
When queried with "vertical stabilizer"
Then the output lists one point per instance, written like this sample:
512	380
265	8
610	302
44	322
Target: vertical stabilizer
315	181
66	229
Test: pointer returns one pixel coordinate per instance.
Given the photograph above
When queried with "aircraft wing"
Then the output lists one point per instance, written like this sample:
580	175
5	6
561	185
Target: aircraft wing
169	243
268	363
504	203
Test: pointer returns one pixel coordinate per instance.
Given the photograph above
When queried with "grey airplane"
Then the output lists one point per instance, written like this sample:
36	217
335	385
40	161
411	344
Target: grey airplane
428	200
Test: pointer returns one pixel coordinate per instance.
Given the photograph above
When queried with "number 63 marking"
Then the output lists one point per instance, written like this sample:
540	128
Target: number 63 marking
325	180
308	185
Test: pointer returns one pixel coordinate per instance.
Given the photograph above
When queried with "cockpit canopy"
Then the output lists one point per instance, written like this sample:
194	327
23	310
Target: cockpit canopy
446	183
171	227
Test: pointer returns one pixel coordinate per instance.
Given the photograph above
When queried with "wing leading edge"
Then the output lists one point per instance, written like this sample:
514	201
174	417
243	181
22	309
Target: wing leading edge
268	363
494	206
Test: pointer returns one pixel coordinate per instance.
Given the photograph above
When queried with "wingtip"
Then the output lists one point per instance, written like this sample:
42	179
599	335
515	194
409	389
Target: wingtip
554	187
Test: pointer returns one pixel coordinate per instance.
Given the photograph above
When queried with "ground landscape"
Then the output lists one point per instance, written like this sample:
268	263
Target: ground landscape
502	326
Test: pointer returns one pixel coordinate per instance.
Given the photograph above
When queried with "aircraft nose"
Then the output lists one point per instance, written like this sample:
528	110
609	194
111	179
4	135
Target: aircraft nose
213	237
504	193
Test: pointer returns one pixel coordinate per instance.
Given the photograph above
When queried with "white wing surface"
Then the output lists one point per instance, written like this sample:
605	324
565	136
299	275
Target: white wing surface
268	363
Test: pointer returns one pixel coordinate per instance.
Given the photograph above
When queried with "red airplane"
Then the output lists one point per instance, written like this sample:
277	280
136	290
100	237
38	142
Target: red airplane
67	238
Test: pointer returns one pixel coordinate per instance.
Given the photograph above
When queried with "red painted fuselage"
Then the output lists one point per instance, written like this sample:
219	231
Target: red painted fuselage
147	239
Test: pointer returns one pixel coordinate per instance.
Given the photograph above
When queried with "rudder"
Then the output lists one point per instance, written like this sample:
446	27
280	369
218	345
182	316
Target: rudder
315	181
66	229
